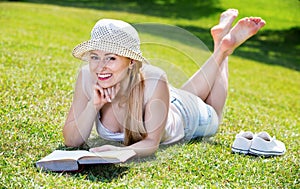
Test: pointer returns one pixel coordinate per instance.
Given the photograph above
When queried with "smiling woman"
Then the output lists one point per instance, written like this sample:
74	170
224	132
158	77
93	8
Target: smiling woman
110	70
131	101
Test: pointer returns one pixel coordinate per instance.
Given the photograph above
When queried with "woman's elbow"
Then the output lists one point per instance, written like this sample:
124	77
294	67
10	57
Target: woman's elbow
146	151
149	152
71	141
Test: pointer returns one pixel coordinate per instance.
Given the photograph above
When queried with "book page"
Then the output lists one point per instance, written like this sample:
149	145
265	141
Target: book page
60	160
65	155
107	157
121	155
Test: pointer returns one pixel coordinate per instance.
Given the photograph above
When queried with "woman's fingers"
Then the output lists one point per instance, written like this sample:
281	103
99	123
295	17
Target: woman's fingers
99	90
111	92
107	96
99	96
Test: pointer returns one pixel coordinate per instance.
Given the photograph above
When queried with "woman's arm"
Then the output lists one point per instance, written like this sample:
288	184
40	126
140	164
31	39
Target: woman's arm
156	114
80	118
83	111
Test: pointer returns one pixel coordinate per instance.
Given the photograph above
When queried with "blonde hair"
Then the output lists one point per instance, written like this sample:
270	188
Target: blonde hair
134	122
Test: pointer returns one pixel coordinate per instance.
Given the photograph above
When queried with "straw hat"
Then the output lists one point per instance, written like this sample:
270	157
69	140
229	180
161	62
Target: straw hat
114	36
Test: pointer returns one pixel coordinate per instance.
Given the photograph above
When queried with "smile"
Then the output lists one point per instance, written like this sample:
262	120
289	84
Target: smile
103	77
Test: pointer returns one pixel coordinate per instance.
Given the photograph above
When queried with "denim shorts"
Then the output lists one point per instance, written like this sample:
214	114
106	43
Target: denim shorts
200	119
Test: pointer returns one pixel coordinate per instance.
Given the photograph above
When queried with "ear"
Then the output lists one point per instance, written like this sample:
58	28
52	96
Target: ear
131	64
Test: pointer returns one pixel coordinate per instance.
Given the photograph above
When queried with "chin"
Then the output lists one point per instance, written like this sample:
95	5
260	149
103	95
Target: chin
105	85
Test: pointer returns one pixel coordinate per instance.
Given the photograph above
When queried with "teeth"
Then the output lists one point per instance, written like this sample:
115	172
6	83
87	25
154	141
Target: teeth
104	75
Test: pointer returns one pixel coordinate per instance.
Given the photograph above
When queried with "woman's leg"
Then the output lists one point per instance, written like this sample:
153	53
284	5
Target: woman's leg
218	94
210	82
207	89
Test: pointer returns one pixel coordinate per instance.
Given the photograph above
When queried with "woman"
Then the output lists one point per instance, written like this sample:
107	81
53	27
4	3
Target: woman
131	101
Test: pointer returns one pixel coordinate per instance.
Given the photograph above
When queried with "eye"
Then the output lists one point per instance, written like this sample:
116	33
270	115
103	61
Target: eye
94	57
110	58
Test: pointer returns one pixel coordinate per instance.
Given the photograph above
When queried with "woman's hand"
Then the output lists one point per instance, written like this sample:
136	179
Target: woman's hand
104	148
104	95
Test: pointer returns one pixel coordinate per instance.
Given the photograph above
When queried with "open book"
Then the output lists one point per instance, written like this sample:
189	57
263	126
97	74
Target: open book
60	160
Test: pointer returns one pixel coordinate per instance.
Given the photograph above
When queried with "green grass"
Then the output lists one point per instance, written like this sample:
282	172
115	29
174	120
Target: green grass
38	74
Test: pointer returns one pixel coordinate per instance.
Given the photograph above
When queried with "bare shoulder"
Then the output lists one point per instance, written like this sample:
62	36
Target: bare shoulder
155	80
151	72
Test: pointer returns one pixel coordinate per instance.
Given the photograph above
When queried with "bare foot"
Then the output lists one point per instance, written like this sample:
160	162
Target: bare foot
243	30
220	30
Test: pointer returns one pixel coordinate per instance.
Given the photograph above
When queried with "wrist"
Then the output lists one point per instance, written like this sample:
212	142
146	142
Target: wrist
94	107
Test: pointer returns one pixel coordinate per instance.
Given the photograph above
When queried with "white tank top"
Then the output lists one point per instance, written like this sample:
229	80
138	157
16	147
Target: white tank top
174	130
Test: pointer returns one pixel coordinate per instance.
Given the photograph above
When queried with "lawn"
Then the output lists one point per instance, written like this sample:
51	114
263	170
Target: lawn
38	75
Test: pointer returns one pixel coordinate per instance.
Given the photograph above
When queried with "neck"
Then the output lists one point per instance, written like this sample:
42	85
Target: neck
126	87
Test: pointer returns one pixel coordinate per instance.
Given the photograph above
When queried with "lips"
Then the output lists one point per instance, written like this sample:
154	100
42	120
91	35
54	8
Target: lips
104	76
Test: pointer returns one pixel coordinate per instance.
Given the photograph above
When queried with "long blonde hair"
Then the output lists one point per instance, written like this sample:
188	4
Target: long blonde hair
134	120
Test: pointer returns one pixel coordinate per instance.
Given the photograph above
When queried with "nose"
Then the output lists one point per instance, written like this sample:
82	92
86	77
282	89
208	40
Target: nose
99	64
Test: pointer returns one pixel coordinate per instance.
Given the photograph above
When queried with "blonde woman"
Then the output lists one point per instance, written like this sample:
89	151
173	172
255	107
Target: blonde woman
130	100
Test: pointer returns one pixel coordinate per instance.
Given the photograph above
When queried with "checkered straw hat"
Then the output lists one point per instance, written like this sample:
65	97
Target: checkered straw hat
114	36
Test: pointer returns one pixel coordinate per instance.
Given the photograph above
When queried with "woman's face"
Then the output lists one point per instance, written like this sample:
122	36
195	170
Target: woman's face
108	68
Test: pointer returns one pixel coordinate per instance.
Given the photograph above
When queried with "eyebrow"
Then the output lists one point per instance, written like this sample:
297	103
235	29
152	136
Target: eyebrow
104	54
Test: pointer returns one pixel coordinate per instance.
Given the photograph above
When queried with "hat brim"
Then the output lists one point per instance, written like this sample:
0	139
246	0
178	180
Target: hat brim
80	50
